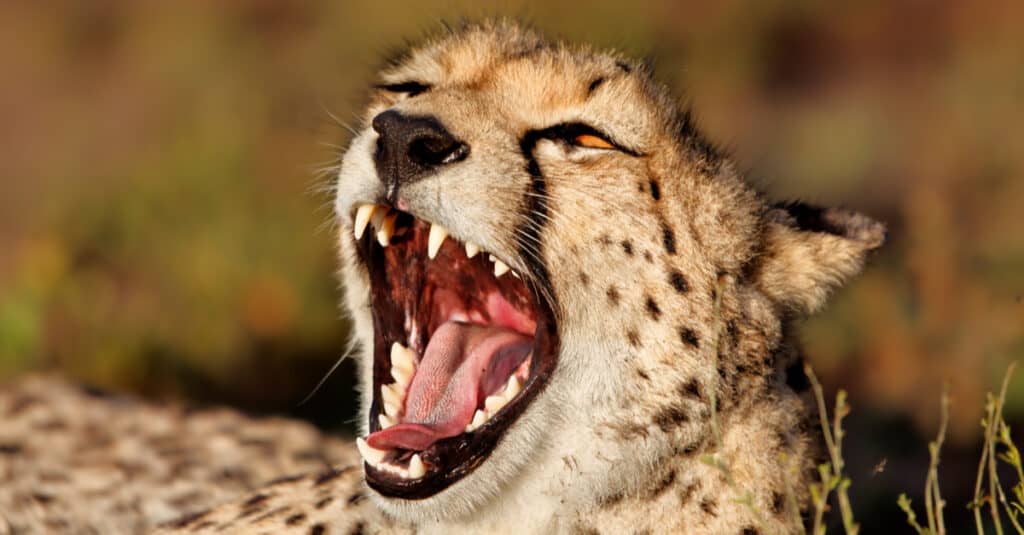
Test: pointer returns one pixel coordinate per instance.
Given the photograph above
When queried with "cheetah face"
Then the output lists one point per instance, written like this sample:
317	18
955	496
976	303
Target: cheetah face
449	271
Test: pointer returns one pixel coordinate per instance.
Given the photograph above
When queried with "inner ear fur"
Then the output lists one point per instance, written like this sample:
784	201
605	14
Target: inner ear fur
809	251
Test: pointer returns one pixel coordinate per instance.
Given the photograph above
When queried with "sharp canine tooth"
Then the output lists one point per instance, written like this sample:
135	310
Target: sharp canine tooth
500	268
494	403
512	388
385	421
392	394
416	467
386	229
479	418
363	215
370	454
437	237
472	249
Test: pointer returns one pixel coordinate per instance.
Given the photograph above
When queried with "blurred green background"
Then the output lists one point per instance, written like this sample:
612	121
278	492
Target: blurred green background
164	229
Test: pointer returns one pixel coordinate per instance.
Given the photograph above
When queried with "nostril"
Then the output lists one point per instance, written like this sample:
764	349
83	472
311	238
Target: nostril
432	151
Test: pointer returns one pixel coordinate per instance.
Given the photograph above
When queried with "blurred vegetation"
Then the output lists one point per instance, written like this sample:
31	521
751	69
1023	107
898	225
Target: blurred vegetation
163	229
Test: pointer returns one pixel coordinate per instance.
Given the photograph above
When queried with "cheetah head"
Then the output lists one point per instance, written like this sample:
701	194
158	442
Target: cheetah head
533	235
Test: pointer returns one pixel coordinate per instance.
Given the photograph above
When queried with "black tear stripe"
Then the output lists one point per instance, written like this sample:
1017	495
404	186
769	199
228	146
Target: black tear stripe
535	217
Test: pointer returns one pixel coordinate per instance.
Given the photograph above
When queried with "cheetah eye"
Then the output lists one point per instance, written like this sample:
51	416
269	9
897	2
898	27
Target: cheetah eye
410	89
591	141
582	136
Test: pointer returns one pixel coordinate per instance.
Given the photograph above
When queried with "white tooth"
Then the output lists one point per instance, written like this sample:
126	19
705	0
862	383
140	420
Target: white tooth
370	454
500	268
494	403
385	421
479	418
472	249
386	229
392	394
416	467
516	275
363	215
512	388
402	376
492	258
437	237
390	410
402	358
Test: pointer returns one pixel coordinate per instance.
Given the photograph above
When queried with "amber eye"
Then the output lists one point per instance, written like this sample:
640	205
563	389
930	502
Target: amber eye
591	141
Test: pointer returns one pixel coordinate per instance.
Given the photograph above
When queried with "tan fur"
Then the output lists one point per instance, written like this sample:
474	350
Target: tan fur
673	283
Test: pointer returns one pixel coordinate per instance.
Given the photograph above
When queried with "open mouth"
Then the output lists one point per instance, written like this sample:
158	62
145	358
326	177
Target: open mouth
462	344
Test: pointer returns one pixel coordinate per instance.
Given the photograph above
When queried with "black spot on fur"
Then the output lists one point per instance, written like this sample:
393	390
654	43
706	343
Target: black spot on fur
709	505
643	375
750	530
652	309
604	240
671	416
594	85
353	499
655	190
627	246
626	68
664	484
686	493
255	500
613	295
633	337
358	529
324	502
10	449
691	389
584	279
295	519
668	238
318	529
330	475
778	503
285	479
678	281
611	501
689	337
648	257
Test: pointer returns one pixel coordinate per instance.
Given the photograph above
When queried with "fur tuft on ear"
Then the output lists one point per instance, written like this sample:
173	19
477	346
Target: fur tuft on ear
810	251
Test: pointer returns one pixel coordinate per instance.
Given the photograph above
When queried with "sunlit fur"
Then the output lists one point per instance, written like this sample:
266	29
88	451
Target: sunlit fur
639	248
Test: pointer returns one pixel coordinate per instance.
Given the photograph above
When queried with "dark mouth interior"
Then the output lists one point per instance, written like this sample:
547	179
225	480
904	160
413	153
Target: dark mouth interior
459	352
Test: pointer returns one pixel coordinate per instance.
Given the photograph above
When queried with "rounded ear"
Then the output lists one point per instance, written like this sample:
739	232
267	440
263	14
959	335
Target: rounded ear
810	251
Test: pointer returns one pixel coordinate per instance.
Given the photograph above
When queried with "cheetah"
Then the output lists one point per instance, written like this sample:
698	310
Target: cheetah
572	313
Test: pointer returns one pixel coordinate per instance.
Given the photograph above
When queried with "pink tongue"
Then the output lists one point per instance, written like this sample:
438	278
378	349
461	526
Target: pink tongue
446	389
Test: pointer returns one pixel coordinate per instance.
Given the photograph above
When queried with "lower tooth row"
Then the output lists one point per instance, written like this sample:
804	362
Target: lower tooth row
375	458
494	403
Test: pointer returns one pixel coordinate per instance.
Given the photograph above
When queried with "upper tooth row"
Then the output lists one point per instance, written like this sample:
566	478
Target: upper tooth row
383	220
375	458
495	402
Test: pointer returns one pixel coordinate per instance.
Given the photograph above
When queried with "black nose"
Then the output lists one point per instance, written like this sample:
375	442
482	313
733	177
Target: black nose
411	147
